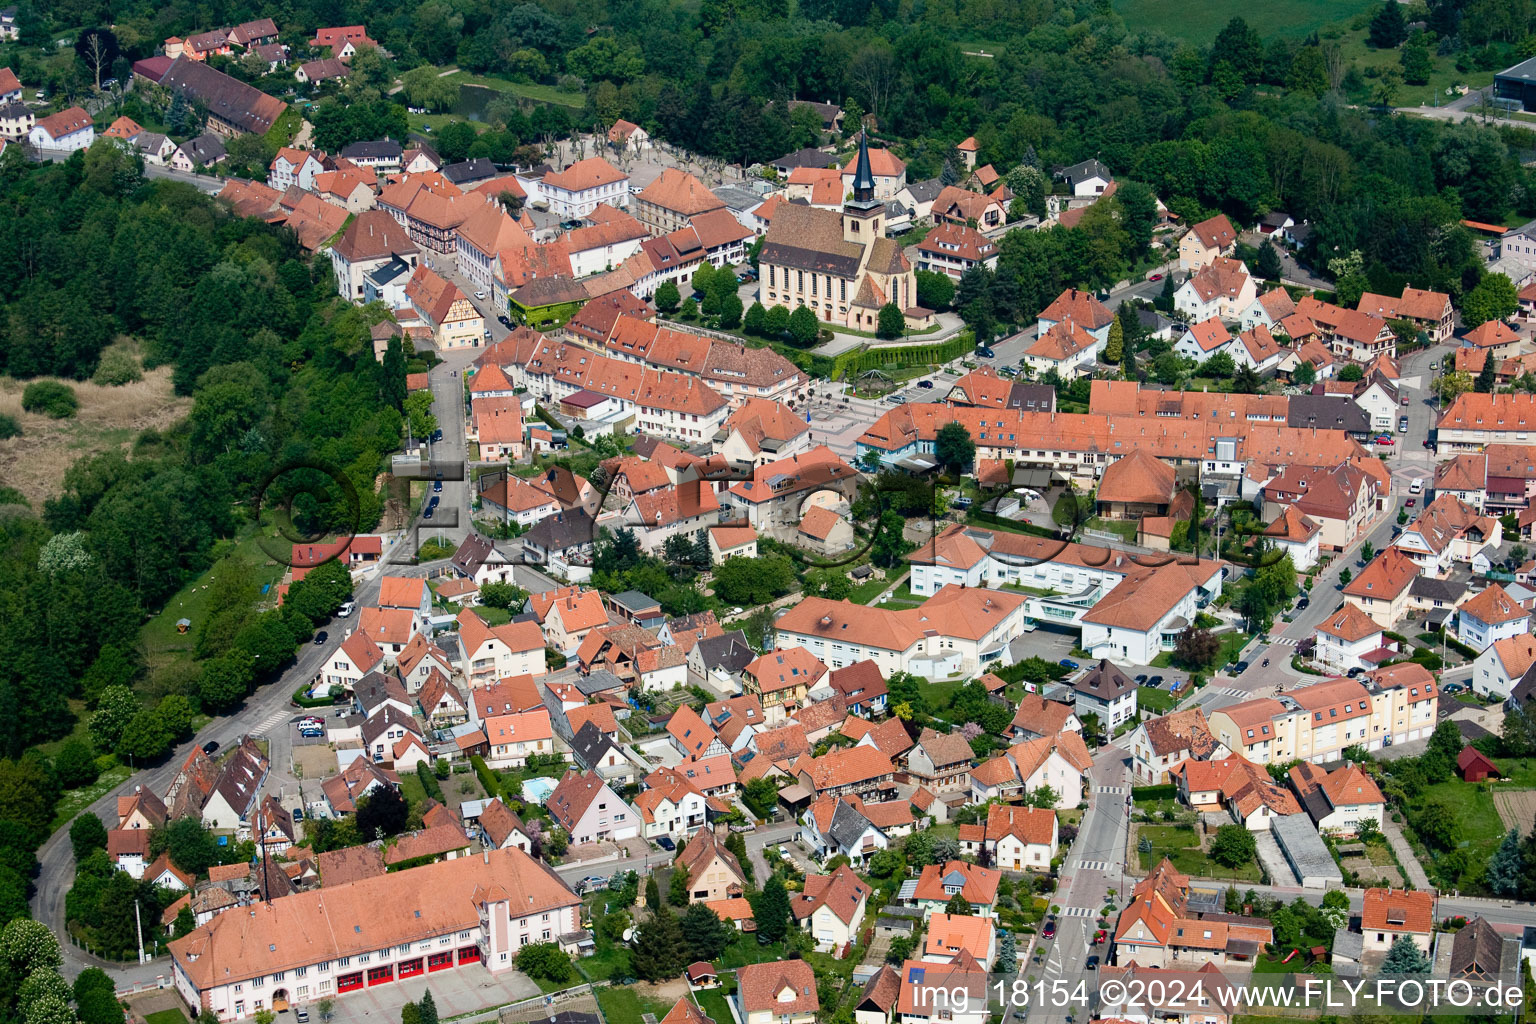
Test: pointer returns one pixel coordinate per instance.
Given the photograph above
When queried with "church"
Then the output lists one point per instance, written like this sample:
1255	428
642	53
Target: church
839	264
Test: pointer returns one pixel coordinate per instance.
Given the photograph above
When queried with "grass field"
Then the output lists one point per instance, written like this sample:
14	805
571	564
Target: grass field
1154	699
1182	846
1199	23
34	463
1480	826
165	1017
527	90
76	800
712	1002
623	1005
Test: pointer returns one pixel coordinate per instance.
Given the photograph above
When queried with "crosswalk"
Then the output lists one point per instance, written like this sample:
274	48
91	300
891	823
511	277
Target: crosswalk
275	717
1284	641
1113	789
1095	865
1232	691
1076	911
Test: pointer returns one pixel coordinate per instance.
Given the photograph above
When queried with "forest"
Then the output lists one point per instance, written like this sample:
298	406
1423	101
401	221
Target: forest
280	372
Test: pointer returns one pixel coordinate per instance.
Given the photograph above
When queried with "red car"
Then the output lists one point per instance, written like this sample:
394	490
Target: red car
1385	441
1412	502
1154	277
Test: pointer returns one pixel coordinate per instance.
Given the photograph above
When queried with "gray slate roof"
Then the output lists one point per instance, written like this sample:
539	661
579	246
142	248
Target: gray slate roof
847	826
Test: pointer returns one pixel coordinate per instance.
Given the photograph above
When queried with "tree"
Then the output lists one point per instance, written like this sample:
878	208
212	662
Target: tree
501	595
1351	373
1388	28
1417	62
190	846
667	297
776	323
730	310
383	812
410	1013
326	1008
707	935
652	893
892	323
889	543
1487	377
803	326
901	949
1196	648
953	447
749	581
146	736
542	960
1493	298
75	765
1246	381
755	319
1405	957
429	1005
703	278
1233	845
1451	385
185	922
770	908
1304	375
1436	824
1345	576
934	290
1503	873
1114	349
677	891
959	905
426	86
97	48
660	951
96	996
761	796
1007	955
86	835
1268	262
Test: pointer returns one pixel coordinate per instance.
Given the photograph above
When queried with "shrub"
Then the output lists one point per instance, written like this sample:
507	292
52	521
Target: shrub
118	366
51	398
9	427
488	778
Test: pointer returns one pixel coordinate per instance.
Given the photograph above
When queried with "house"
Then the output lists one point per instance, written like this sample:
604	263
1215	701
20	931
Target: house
1268	310
672	201
279	947
1339	800
1349	639
1475	766
1203	340
567	615
878	1001
1237	785
516	648
128	849
781	679
1064	347
342	41
1037	717
714	873
1349	333
233	797
1340	499
731	542
515	739
839	264
1207	241
1060	762
1500	667
1160	744
861	687
500	828
453	319
781	992
595	750
940	883
952	249
68	130
1490	616
579	189
1159	927
566	537
372	240
1388	914
326	69
233	107
1089	178
1081	308
1296	534
477	559
831	907
1431	312
670	805
1221	289
1135	486
441	702
17	120
1107	692
355	658
863	771
589	811
941	762
950	935
1020	839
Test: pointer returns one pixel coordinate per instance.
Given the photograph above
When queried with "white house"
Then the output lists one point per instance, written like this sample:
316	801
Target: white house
1021	838
1295	534
578	190
1339	800
1221	288
1502	664
831	907
1204	339
495	652
1345	639
1490	616
589	811
64	132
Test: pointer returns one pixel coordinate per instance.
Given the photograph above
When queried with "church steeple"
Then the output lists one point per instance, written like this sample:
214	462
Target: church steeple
863	177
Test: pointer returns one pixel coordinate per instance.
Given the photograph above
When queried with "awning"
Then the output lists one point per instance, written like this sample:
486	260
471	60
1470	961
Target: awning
794	794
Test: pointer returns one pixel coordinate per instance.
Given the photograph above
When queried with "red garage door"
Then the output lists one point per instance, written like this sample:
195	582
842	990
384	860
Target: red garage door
380	975
439	961
349	982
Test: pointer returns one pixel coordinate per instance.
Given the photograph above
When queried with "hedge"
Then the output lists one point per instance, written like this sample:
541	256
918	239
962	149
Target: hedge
861	360
489	779
1165	792
311	702
429	782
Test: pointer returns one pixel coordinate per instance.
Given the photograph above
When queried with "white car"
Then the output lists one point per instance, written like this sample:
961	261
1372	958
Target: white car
480	295
347	609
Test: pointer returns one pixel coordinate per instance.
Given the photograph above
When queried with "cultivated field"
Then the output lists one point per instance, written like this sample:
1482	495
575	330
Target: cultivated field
108	418
1517	808
1199	23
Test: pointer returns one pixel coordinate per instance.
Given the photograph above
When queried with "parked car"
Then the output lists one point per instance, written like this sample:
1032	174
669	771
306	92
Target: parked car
925	384
1402	424
1406	400
1385	441
437	435
1093	963
504	320
1303	603
347	608
210	747
985	353
1240	668
1141	679
1050	929
321	637
666	843
301	1015
437	484
1411	502
1154	277
1155	681
1452	688
1428	443
1069	663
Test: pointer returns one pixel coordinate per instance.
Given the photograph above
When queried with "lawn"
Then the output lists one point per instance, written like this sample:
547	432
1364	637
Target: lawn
1182	846
1154	698
1199	23
623	1005
527	90
76	800
412	789
1480	828
165	1017
712	1002
865	592
1125	531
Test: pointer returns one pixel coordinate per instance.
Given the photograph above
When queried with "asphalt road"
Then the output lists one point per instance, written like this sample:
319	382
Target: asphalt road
210	183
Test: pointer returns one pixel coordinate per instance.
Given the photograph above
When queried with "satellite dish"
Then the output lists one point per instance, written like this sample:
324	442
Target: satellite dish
629	935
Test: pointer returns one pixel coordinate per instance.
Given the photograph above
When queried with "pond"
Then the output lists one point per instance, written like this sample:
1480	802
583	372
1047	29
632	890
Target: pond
473	101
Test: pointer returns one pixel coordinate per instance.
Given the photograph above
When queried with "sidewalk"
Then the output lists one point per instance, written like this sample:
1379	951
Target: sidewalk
1394	833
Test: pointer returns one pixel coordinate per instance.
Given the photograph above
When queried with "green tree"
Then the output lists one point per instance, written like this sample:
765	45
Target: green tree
1405	957
776	324
75	765
703	278
661	952
954	448
889	545
1388	28
748	581
652	893
755	320
770	909
1449	385
1503	873
901	949
934	290
959	906
707	935
1268	262
429	1005
1114	348
1233	846
1436	824
50	398
1304	375
146	736
803	326
1487	377
892	323
87	835
677	892
410	1013
1417	62
96	997
667	297
382	812
1007	955
1493	298
761	796
185	922
730	310
190	846
426	86
542	960
1351	373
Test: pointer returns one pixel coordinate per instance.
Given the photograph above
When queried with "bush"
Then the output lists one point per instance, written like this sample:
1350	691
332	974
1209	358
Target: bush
51	398
429	783
118	366
489	779
1168	792
9	427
